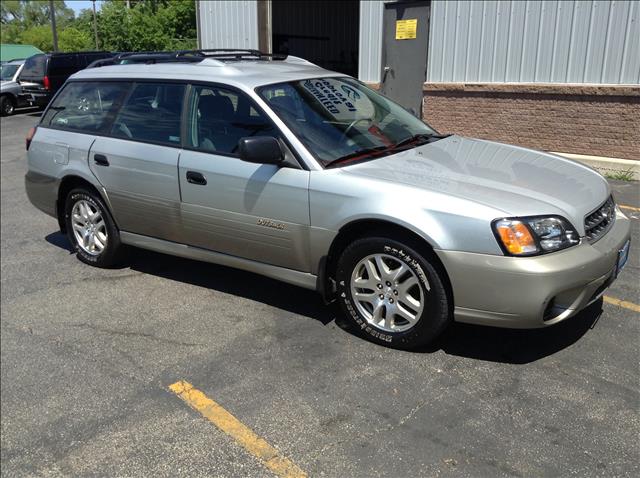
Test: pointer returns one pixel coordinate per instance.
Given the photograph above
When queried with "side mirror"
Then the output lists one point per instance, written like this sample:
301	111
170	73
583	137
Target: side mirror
260	149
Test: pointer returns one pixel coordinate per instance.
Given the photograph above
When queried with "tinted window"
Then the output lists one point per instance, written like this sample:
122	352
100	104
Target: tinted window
86	106
63	65
218	118
34	67
151	113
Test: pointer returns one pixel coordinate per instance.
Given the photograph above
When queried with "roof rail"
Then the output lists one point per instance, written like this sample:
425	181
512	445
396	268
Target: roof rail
195	56
234	54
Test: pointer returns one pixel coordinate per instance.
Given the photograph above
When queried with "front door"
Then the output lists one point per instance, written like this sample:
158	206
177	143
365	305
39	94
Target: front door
254	211
404	58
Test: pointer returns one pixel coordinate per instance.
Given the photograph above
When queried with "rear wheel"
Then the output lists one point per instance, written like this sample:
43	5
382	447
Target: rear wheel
7	105
91	229
391	293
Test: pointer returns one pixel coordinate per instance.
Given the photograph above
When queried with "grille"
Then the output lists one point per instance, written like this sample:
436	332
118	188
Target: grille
598	223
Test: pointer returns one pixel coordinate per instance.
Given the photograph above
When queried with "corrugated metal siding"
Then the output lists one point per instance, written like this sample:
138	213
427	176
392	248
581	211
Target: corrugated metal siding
228	24
370	44
553	41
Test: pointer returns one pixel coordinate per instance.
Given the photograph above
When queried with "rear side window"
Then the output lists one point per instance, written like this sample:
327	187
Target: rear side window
218	118
35	67
151	114
86	106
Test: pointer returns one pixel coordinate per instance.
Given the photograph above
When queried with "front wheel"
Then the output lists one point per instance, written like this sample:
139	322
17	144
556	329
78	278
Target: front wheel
391	293
91	229
7	105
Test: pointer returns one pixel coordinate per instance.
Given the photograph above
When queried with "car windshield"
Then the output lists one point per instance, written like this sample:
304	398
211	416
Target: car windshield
7	72
340	119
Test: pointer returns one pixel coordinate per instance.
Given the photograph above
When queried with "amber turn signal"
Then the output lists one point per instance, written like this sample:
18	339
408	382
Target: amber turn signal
516	237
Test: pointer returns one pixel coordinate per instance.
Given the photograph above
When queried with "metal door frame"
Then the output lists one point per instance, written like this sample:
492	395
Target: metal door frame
383	56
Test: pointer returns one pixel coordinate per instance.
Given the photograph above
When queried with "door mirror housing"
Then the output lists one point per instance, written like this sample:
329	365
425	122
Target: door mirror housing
260	149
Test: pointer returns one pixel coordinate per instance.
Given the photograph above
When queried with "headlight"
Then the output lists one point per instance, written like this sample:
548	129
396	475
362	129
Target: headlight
528	236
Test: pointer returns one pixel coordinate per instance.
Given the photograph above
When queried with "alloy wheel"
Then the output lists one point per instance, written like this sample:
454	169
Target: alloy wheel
387	293
89	227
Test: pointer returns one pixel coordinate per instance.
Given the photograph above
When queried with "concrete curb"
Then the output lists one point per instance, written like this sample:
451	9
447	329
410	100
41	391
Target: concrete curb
606	165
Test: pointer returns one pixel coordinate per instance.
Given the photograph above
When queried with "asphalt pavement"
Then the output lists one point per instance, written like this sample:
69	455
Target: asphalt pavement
88	356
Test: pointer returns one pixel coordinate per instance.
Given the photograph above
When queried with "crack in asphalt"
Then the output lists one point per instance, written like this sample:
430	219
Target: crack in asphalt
130	333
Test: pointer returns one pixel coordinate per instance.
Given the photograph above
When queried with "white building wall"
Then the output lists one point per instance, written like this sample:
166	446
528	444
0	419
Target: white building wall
552	41
228	24
370	45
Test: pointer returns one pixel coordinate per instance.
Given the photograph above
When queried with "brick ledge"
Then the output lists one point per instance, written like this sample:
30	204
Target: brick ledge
536	88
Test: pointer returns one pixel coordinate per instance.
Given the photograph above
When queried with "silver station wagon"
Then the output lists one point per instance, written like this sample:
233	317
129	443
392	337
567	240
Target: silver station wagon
276	166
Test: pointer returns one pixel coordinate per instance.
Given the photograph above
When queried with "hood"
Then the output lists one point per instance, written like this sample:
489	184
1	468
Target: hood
8	84
511	179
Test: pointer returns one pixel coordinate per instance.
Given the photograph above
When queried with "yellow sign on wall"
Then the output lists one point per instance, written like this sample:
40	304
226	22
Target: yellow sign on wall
406	29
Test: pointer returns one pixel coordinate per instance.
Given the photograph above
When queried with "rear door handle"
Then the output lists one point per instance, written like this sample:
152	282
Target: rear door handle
196	178
100	160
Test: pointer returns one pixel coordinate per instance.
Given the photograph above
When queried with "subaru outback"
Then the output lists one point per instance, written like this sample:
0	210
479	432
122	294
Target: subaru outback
276	166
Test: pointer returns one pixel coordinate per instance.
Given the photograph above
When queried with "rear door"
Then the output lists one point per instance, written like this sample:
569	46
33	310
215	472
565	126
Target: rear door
138	162
254	211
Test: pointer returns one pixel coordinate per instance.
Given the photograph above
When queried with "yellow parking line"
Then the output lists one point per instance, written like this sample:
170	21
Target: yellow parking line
631	208
233	427
622	303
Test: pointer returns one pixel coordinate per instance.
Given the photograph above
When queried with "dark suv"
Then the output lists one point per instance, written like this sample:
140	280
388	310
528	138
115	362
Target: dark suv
45	73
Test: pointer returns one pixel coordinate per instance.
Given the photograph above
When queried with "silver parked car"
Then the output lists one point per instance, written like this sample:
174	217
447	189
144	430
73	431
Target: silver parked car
11	96
276	166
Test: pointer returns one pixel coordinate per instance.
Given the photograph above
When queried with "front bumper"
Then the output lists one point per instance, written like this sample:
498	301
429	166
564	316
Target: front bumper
533	292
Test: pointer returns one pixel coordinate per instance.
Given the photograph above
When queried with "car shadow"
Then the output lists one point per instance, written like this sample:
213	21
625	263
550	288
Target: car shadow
470	341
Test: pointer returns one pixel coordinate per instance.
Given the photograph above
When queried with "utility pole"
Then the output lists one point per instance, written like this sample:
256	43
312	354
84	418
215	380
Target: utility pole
95	24
52	12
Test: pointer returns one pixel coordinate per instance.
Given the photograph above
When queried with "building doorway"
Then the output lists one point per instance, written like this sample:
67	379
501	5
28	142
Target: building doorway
404	53
325	33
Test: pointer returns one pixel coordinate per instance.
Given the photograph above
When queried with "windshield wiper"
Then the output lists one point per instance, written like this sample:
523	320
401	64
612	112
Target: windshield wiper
379	150
360	152
418	137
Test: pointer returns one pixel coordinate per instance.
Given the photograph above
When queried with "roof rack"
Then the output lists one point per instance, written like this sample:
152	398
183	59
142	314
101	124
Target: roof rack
233	54
190	56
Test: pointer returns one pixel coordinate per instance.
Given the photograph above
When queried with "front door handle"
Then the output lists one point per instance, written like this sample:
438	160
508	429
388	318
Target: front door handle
196	178
100	160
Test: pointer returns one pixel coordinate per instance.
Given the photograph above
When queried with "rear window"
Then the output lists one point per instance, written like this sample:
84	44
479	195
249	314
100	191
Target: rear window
151	114
86	106
34	68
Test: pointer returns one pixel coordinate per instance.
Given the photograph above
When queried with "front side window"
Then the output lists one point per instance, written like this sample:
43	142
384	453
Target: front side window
85	106
151	113
218	118
339	118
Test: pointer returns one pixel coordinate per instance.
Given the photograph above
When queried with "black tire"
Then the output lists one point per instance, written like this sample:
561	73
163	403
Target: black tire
113	253
7	105
435	316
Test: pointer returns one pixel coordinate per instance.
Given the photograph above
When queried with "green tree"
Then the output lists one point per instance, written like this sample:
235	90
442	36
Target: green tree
34	12
72	39
38	36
